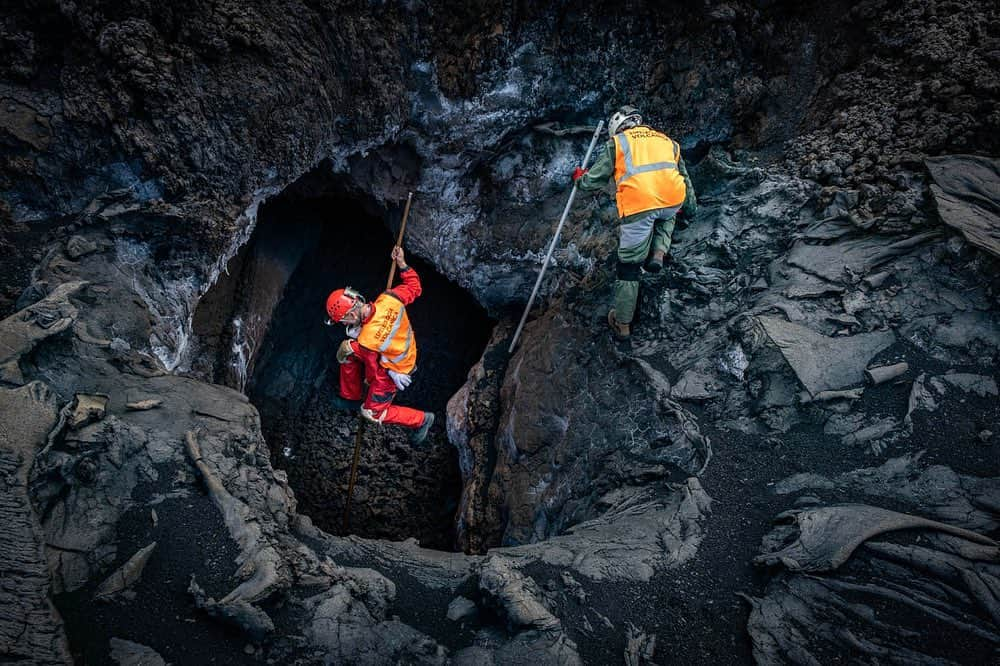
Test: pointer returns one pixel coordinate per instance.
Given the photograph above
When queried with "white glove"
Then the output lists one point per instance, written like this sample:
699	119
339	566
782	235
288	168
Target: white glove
353	332
400	380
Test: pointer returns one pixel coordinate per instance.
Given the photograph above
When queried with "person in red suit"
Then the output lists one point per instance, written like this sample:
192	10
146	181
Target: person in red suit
381	351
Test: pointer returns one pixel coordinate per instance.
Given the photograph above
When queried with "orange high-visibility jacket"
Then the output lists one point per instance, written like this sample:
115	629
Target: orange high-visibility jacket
646	171
389	333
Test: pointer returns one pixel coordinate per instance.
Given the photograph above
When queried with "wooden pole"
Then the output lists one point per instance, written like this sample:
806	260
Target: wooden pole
361	419
399	239
354	472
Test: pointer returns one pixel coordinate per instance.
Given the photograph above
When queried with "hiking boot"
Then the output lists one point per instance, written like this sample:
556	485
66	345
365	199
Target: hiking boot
655	263
418	437
620	331
343	404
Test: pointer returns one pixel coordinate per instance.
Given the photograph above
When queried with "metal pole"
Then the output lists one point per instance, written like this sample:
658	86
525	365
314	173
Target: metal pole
555	239
361	420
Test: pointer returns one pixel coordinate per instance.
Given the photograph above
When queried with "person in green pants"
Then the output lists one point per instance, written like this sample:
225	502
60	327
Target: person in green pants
652	187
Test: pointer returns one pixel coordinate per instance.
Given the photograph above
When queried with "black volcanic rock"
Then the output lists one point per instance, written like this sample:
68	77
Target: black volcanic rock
622	491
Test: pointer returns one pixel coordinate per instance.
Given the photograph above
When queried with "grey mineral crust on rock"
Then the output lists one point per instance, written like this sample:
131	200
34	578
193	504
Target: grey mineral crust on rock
692	386
623	423
920	399
825	537
974	336
844	424
518	599
789	624
870	433
258	557
937	491
980	385
827	396
239	613
515	595
348	623
528	648
643	530
822	363
639	646
125	576
87	476
967	189
950	576
950	581
927	394
143	405
127	653
883	373
30	626
691	436
857	255
22	331
78	246
461	609
438	570
87	409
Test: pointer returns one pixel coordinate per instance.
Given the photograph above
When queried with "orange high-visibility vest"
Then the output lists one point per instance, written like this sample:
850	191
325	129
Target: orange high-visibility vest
388	332
646	171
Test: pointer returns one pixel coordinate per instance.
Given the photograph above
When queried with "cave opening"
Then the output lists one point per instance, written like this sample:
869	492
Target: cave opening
270	339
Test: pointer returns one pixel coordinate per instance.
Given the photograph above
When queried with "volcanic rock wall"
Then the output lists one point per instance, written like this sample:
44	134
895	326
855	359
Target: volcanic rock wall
139	140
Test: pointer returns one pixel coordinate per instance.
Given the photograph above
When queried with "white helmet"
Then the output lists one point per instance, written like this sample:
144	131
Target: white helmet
623	119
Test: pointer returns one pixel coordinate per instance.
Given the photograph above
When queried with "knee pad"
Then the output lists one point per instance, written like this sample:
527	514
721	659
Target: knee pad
628	272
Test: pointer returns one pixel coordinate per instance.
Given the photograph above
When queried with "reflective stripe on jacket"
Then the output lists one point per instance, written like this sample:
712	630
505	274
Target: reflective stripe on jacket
646	171
388	332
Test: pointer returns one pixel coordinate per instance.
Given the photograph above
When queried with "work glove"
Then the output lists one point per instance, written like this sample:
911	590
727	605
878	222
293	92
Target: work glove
578	173
400	380
353	331
344	351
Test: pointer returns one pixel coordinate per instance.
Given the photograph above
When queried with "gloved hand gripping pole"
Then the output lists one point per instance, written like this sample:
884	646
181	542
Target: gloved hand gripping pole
555	239
361	420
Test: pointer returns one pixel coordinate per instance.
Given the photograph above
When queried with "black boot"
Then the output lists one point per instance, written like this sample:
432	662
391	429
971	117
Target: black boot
655	263
343	404
420	434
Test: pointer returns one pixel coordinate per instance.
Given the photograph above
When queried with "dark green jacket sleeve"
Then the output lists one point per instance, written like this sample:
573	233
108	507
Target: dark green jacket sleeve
603	168
690	206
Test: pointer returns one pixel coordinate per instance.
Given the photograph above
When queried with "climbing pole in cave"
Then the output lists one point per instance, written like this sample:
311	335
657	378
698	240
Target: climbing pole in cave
361	420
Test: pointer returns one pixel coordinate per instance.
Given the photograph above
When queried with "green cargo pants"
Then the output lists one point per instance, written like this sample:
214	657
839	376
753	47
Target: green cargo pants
639	236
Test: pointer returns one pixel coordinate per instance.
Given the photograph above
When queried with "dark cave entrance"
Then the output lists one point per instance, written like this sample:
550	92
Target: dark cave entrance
306	245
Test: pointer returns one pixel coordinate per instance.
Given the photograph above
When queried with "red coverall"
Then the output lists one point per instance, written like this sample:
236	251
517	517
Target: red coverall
381	388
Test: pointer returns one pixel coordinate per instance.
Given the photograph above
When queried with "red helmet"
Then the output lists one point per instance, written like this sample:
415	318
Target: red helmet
340	302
